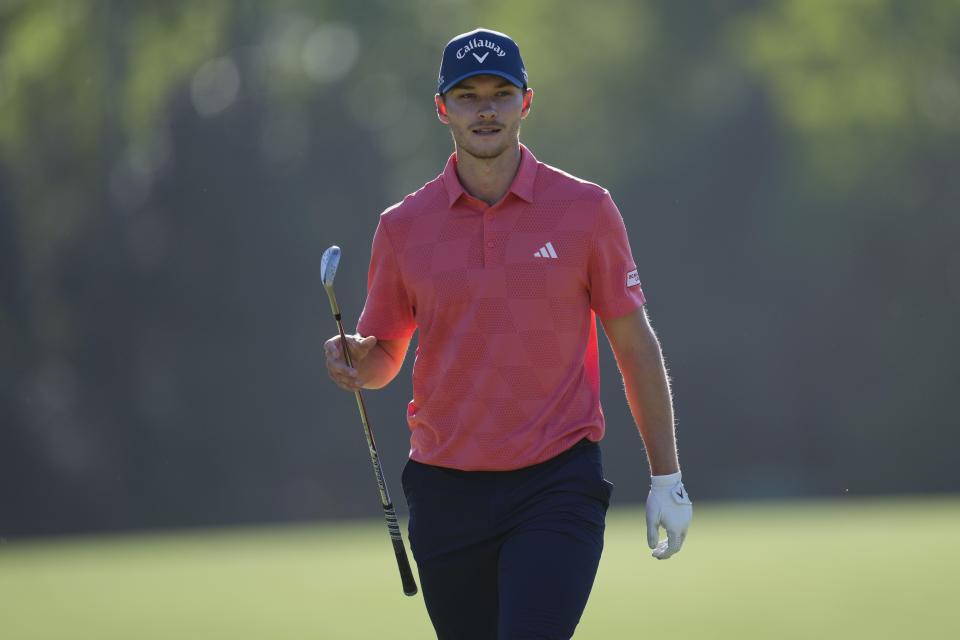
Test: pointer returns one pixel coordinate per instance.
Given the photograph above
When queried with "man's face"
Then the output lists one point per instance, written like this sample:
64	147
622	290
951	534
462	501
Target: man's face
484	114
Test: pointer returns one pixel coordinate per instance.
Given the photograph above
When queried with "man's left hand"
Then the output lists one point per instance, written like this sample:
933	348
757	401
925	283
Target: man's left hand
669	506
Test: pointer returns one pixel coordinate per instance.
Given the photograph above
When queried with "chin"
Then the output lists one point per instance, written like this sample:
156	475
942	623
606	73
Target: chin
485	153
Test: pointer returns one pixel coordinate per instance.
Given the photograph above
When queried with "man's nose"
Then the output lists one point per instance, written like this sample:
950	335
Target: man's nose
487	109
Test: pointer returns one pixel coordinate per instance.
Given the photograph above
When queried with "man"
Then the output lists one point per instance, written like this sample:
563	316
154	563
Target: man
501	263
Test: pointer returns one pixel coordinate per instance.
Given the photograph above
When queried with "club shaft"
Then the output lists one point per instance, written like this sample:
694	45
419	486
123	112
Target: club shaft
385	500
389	513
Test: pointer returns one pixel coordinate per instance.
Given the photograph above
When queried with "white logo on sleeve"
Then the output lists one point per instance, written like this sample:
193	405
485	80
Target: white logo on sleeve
633	278
546	251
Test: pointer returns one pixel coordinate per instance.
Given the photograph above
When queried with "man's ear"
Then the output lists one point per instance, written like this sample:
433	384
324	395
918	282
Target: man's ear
441	109
527	103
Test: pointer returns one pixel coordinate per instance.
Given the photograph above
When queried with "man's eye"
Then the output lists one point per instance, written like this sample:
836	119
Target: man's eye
466	96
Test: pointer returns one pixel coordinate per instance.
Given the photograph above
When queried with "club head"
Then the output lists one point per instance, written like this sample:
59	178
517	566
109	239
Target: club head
328	265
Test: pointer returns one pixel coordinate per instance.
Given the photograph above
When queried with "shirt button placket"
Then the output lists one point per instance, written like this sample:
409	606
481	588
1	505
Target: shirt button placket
488	235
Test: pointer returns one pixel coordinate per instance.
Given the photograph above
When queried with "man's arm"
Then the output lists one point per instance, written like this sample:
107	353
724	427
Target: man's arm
638	355
375	362
648	393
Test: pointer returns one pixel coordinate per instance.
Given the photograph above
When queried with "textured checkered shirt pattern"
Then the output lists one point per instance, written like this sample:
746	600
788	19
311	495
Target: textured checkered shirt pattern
506	372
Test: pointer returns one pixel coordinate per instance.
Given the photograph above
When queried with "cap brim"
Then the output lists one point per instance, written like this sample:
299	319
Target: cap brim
481	72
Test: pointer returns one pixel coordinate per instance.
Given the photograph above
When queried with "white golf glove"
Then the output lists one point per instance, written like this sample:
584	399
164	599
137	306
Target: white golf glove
669	506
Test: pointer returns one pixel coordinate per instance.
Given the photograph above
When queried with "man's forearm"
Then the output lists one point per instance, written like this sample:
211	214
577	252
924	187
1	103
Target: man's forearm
648	394
379	367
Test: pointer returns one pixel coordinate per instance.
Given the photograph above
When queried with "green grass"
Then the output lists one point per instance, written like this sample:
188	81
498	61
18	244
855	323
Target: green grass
843	569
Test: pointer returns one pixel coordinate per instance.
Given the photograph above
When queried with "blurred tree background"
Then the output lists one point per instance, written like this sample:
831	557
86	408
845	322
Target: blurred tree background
170	174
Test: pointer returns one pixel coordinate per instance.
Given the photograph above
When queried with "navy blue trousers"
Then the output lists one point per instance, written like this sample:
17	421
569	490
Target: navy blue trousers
508	555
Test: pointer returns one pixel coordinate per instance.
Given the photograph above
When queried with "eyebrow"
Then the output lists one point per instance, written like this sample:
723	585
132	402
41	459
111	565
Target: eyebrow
504	83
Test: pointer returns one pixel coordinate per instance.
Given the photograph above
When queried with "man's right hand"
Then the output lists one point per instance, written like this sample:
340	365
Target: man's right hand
344	376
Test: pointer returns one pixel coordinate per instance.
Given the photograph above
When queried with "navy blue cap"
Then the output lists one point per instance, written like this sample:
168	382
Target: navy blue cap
479	52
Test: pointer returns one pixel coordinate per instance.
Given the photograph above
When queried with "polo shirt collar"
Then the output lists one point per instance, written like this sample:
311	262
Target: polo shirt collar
522	185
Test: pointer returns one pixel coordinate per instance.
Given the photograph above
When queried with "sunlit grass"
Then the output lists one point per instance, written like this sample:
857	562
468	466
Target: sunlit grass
845	569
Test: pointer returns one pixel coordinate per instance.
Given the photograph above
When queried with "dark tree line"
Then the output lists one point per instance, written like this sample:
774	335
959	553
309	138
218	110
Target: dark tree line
170	174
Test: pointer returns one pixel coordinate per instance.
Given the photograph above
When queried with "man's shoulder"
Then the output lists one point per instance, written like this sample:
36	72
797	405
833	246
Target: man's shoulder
426	198
557	184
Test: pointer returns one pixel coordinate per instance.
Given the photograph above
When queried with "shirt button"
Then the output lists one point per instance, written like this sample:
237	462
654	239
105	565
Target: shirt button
490	244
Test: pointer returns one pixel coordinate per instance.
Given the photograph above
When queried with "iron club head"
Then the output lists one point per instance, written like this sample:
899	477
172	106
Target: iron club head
328	265
328	270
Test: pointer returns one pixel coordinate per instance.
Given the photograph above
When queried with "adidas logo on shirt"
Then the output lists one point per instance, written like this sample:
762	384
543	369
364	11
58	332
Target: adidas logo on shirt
546	251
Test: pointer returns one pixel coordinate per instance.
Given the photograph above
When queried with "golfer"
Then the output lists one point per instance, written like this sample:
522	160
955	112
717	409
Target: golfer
502	264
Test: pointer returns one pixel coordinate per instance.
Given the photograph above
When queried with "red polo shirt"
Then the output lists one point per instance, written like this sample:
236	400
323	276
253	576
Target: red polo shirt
506	372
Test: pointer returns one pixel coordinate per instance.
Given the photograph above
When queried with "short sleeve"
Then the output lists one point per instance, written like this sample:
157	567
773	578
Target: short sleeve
388	312
614	282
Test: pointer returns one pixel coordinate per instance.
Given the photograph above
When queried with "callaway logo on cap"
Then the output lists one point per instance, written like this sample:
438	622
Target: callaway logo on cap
477	52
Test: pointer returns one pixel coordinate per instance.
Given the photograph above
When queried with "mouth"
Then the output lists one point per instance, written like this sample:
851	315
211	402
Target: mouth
486	131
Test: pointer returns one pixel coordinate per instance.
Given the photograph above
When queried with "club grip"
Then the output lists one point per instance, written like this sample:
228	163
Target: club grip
403	563
406	574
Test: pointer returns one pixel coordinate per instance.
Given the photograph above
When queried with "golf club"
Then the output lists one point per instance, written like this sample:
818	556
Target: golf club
328	270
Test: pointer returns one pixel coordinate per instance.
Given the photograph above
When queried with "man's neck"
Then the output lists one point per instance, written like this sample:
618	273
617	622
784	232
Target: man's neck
488	179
